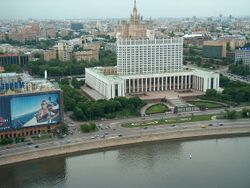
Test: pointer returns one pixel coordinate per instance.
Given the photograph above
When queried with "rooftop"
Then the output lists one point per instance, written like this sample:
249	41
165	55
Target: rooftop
14	83
98	70
245	48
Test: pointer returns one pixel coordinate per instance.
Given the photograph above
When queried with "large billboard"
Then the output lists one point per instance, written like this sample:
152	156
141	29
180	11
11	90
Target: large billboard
22	111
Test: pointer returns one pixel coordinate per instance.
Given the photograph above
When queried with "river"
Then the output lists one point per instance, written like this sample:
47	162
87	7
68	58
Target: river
215	163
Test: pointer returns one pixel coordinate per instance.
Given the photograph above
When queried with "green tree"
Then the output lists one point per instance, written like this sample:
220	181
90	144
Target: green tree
92	126
228	46
77	84
245	113
85	128
231	114
78	113
13	68
211	93
64	128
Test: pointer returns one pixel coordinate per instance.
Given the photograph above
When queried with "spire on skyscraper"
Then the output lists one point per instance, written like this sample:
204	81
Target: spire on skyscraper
135	18
134	9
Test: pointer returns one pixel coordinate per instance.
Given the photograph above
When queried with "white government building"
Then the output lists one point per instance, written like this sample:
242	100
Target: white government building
148	65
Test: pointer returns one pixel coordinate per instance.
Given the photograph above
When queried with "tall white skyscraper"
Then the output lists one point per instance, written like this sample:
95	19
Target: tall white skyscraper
149	56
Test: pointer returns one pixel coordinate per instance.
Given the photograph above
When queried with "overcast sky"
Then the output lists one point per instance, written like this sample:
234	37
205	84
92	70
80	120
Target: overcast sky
65	9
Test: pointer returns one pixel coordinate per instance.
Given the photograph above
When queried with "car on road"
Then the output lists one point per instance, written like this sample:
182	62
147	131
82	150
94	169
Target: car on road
120	135
210	125
36	146
92	137
106	133
173	125
29	143
145	127
103	136
221	124
204	126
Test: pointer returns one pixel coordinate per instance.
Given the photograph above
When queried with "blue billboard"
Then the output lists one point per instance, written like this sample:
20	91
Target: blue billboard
22	111
5	120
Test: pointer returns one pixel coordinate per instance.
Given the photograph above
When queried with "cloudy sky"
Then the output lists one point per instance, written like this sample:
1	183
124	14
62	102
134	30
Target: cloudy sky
64	9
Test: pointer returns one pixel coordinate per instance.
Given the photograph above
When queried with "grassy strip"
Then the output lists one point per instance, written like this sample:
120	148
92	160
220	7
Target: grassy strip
157	108
43	137
169	121
230	103
209	105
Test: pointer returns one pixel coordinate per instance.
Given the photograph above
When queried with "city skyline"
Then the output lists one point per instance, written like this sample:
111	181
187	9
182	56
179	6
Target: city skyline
76	9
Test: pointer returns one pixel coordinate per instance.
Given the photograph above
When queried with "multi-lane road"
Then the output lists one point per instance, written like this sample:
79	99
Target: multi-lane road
109	129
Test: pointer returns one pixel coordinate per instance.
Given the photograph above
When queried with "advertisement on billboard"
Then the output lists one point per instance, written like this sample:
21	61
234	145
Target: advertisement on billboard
4	114
24	111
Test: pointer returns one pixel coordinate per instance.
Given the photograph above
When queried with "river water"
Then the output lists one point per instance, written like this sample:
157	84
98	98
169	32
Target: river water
215	163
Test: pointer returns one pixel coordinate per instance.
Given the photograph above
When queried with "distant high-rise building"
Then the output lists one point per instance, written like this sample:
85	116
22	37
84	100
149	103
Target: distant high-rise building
2	36
14	59
135	28
50	55
90	55
76	26
242	55
214	49
64	51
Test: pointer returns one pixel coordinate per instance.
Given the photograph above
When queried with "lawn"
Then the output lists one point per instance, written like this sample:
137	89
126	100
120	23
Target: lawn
209	105
168	121
242	104
156	109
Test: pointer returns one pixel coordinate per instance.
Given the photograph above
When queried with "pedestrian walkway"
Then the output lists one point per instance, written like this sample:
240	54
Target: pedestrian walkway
92	93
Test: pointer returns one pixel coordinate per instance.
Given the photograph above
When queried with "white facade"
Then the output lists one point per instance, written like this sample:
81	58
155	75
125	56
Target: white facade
149	56
145	65
193	79
107	85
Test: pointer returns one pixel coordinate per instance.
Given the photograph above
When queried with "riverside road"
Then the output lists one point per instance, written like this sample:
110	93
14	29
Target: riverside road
112	129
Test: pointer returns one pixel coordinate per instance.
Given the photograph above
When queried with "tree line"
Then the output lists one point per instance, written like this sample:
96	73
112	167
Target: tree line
234	91
85	109
58	68
240	69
